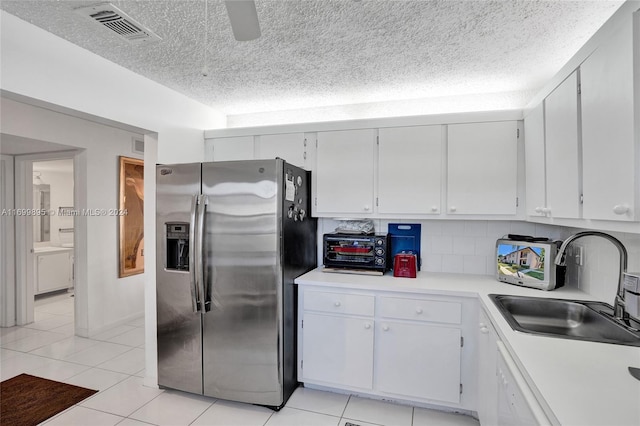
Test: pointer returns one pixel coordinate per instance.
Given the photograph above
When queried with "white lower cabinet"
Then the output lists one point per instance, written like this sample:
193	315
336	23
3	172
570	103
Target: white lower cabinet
411	349
487	379
338	332
338	350
504	398
516	403
418	360
53	271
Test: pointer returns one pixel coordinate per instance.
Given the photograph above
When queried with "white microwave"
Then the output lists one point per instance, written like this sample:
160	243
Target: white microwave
528	264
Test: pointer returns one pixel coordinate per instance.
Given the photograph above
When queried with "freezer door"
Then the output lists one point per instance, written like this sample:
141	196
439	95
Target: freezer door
179	327
242	329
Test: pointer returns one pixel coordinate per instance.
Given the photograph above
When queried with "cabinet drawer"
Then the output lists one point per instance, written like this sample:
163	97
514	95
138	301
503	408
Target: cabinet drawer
420	310
339	303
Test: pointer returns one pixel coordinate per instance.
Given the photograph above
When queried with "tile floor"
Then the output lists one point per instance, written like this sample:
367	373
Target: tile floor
113	363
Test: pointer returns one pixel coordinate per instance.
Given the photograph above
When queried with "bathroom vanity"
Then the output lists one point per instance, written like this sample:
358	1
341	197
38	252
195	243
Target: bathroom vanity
53	269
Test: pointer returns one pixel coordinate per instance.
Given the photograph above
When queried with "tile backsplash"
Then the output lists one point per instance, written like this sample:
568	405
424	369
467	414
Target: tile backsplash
457	246
598	274
468	247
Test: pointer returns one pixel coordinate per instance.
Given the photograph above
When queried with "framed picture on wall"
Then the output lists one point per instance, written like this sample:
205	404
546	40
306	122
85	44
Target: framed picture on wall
131	214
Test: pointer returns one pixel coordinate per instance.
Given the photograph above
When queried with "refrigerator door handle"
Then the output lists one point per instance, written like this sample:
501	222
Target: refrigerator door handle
193	254
202	209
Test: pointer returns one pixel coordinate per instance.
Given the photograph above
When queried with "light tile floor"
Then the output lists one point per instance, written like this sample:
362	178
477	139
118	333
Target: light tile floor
113	363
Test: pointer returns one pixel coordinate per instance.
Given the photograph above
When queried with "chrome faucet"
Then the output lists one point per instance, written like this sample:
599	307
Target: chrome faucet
619	311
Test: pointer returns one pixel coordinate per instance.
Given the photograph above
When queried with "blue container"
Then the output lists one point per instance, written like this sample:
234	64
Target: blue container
405	237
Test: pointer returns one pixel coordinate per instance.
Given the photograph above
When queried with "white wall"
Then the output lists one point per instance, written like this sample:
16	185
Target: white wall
109	300
7	247
42	66
61	195
38	65
150	319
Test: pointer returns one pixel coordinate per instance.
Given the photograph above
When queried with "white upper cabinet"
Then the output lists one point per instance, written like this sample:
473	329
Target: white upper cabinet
562	150
396	172
610	110
409	170
535	162
229	149
344	174
290	147
482	168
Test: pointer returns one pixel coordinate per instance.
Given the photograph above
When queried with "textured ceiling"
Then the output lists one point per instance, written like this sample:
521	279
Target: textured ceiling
318	53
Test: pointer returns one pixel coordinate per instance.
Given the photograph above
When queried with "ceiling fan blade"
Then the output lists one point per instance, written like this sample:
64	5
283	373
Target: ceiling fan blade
244	19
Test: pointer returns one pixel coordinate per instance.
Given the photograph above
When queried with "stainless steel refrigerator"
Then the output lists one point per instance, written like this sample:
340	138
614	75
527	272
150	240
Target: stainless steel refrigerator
231	238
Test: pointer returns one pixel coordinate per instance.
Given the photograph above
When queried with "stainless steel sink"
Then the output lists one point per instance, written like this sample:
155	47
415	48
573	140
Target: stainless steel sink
568	319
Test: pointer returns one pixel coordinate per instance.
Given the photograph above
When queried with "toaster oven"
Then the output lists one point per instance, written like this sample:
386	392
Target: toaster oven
356	251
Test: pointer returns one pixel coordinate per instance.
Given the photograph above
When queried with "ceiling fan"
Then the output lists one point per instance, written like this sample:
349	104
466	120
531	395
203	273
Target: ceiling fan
244	19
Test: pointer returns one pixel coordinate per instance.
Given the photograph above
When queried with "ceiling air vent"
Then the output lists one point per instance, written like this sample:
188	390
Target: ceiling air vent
118	22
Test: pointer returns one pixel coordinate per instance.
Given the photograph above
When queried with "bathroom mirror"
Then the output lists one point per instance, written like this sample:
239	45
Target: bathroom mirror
41	222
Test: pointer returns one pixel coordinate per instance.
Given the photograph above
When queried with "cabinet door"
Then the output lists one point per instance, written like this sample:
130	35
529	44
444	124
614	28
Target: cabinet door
562	150
610	154
338	350
409	170
53	272
290	147
344	172
487	379
482	168
419	360
230	149
534	161
516	403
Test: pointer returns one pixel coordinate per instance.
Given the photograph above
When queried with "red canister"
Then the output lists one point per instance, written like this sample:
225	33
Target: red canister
404	265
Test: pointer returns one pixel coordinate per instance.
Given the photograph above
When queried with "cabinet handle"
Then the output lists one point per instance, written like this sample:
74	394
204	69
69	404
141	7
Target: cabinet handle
453	208
419	311
367	326
538	210
366	208
337	304
621	209
385	328
546	210
501	377
434	208
484	330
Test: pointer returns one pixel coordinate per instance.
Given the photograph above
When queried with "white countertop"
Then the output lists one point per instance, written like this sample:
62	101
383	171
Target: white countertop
51	249
576	382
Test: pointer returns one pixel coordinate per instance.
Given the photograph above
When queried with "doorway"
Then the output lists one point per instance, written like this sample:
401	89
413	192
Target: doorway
53	241
43	177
